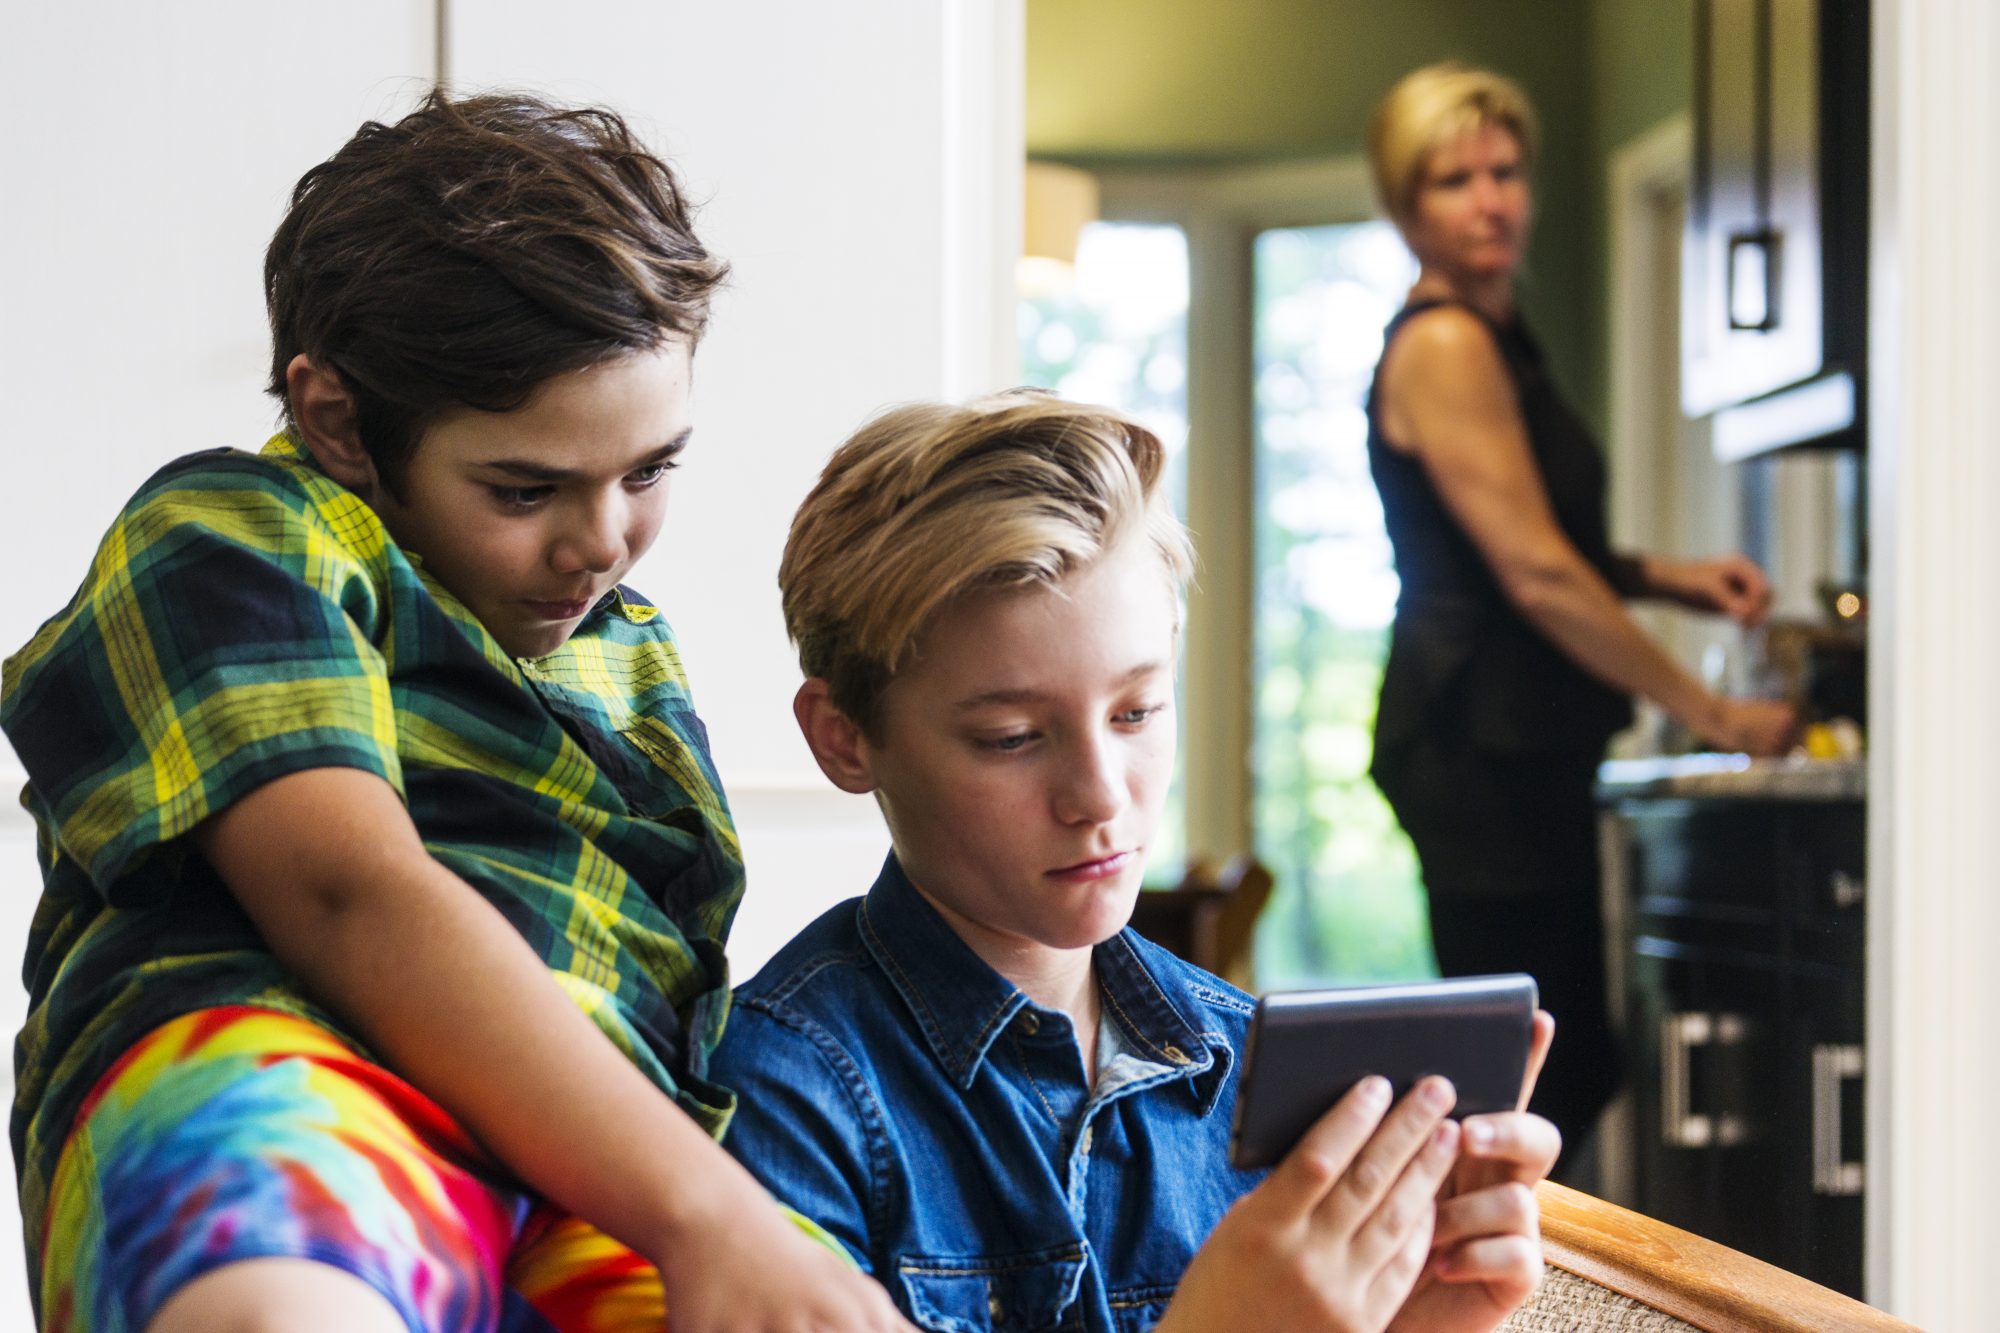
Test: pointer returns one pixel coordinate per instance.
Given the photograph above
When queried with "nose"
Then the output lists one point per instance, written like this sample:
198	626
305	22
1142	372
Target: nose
592	539
1485	191
1091	789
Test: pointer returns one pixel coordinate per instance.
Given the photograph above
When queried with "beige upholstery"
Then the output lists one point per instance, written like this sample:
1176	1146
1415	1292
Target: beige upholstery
1567	1303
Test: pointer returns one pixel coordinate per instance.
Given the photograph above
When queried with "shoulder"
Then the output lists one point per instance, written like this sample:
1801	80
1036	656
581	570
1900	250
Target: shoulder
279	472
821	977
272	503
1444	378
1443	339
796	1028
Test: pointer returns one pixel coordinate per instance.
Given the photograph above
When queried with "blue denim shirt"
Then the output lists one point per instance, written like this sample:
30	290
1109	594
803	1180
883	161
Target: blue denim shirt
911	1100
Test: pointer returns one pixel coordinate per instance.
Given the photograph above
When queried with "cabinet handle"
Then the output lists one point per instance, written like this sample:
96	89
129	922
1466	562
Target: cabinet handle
1848	890
1680	1033
1832	1066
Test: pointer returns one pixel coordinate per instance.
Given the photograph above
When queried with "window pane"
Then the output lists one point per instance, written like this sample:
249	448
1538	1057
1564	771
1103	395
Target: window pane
1117	335
1348	904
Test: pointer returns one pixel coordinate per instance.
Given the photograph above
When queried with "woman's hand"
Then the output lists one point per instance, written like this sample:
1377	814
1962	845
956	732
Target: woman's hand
1334	1238
1752	726
1729	585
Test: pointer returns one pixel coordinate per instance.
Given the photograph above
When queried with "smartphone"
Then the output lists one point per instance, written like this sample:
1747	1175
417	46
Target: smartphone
1307	1048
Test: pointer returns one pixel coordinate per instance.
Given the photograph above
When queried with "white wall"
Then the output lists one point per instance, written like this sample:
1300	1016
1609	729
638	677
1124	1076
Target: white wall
860	164
150	153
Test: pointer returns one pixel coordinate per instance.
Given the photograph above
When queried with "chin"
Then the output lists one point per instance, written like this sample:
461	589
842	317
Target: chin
1113	912
532	645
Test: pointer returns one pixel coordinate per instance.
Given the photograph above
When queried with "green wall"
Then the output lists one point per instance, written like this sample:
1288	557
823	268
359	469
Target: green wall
1158	82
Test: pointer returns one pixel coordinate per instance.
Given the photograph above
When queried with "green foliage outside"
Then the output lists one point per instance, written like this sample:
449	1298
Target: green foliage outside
1348	905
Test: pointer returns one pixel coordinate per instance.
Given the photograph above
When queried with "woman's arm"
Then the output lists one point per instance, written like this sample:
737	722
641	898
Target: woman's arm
1447	399
330	868
1727	585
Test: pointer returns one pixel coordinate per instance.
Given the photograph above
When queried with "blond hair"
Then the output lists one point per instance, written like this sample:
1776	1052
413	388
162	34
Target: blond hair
1426	109
929	501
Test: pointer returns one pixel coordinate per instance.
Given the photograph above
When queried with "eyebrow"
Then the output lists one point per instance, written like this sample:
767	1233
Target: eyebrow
994	698
528	469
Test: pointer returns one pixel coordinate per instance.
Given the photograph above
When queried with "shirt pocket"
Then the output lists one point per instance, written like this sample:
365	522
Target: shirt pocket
1138	1309
1024	1293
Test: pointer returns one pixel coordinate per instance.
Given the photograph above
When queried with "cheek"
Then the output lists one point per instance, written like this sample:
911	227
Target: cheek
649	516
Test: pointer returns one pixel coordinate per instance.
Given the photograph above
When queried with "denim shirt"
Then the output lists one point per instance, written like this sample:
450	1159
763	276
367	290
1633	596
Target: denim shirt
901	1093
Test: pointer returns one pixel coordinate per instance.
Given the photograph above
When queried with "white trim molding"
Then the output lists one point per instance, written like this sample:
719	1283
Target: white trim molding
1934	828
1647	174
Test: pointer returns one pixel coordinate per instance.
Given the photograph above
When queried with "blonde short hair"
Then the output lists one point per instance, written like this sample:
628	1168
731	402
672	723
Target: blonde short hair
1429	107
929	501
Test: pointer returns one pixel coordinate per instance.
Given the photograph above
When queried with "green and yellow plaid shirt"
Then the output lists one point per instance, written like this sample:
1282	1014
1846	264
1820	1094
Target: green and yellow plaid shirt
247	617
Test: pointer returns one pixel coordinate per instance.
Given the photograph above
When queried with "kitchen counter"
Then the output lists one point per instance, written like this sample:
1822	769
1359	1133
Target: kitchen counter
1733	777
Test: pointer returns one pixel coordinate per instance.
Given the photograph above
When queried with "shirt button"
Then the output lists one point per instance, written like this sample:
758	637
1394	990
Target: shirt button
993	1306
1175	1054
1030	1023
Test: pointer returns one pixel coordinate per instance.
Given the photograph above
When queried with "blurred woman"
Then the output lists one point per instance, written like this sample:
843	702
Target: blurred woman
1512	659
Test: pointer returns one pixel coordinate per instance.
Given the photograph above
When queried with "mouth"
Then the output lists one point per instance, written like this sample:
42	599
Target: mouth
559	610
1098	867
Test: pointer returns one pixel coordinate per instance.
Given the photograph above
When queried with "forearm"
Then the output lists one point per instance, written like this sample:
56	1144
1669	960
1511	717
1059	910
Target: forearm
451	996
1577	610
1649	577
455	1000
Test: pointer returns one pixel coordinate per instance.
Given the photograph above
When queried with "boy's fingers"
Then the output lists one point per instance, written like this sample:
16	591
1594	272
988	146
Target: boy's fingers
1499	1210
1403	1263
1297	1184
1386	1159
1411	1204
1540	1037
1510	1264
1511	1145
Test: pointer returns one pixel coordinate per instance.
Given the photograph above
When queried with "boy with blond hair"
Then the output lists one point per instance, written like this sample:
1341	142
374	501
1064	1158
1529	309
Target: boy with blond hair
1011	1109
379	957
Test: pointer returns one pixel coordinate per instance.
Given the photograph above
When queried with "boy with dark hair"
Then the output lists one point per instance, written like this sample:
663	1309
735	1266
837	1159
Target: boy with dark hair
1007	1106
379	960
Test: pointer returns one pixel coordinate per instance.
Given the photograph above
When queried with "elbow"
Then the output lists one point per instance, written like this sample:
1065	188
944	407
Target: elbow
1540	588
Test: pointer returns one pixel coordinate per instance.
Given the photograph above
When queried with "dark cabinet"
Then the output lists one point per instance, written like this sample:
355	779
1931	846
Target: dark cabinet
1773	271
1743	1010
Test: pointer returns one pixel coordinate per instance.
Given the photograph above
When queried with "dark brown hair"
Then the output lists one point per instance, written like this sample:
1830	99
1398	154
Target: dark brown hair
475	249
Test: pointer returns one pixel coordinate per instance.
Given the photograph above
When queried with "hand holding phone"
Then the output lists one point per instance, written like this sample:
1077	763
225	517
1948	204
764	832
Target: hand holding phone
1307	1048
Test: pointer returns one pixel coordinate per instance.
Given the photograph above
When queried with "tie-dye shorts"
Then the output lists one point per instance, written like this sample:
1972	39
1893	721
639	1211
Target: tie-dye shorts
243	1133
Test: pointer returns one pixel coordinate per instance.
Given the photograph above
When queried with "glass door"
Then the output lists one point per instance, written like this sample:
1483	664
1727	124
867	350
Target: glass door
1348	904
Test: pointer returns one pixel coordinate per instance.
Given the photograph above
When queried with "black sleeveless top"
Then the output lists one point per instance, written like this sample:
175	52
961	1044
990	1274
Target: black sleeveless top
1464	665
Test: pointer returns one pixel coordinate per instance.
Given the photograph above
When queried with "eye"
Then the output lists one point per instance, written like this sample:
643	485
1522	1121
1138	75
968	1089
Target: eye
1011	743
650	475
521	498
1139	717
1453	180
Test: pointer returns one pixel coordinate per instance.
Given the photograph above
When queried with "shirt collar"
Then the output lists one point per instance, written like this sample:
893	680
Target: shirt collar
961	1004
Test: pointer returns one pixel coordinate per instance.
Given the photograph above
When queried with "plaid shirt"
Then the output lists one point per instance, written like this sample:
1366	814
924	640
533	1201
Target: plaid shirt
247	617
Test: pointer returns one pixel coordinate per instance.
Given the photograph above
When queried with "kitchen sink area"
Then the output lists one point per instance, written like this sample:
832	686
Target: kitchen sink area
1735	776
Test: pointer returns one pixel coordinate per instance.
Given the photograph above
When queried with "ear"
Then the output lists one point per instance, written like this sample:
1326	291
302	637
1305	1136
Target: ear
836	742
328	421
